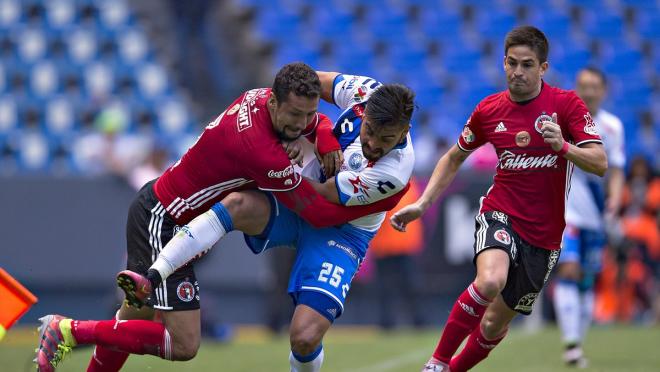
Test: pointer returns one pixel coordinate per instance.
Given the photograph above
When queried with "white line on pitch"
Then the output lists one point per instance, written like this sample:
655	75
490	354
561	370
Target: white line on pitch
391	364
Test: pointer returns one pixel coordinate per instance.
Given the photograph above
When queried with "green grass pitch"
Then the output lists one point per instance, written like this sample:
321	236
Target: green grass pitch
369	350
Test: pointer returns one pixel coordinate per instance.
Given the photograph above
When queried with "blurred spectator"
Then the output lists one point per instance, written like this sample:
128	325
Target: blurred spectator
629	286
108	147
396	274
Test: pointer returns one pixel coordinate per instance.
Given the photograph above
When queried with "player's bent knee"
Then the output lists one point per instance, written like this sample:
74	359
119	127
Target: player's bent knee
490	284
491	328
185	350
305	341
235	203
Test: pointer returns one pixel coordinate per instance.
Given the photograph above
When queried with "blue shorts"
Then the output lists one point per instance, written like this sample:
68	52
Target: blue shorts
326	259
584	247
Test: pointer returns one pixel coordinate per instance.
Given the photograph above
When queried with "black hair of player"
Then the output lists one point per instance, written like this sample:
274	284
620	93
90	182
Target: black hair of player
529	36
598	72
390	105
296	77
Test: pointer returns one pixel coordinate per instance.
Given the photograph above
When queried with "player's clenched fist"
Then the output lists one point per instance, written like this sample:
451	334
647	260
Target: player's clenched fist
405	215
551	132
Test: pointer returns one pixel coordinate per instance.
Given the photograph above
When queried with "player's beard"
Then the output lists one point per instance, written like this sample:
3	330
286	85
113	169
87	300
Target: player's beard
282	134
370	154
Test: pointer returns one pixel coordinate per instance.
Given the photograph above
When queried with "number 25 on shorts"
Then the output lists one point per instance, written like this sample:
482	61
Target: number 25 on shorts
332	274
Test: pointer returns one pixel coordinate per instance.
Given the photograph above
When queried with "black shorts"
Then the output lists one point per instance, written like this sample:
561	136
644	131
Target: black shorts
148	229
530	266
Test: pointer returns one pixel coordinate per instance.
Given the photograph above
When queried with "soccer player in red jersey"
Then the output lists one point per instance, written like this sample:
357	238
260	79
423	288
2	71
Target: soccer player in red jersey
539	132
241	149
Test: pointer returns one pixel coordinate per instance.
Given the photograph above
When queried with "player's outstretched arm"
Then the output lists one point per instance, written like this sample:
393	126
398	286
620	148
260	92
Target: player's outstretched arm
327	84
319	212
443	174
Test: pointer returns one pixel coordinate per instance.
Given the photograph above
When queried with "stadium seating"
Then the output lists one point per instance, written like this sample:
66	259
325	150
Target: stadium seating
450	51
62	62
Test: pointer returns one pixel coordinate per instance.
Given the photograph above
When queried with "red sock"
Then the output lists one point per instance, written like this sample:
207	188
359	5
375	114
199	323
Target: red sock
106	360
130	336
465	316
476	349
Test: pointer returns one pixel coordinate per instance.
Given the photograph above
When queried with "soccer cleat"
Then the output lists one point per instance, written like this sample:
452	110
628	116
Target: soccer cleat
574	357
55	342
432	367
136	287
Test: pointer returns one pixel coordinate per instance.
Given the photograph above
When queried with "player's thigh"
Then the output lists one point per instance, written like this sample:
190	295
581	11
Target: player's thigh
282	229
127	312
497	317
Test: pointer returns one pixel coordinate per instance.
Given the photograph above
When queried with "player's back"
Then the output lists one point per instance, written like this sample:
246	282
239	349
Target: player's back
227	157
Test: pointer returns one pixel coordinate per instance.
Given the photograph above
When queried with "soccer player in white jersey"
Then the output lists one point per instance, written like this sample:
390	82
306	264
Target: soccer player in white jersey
588	213
377	163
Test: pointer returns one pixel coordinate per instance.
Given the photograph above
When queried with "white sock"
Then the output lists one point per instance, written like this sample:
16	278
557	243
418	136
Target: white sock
567	309
192	240
313	365
586	313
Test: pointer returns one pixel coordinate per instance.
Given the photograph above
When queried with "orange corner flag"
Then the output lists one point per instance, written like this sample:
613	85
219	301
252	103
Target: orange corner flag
16	301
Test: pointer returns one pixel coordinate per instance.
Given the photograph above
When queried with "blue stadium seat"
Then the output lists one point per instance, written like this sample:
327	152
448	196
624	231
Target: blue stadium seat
33	152
172	117
648	24
8	115
11	14
599	23
60	13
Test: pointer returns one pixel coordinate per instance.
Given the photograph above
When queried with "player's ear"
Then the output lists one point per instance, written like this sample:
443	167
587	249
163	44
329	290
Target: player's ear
544	67
404	133
272	101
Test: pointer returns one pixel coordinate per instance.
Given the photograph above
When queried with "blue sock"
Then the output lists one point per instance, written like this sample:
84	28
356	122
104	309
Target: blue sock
223	215
309	357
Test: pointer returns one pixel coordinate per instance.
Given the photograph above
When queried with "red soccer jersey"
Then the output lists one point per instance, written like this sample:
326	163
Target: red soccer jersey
238	150
532	181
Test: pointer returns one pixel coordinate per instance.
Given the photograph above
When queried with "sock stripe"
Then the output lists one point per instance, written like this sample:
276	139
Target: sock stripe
167	345
308	358
476	297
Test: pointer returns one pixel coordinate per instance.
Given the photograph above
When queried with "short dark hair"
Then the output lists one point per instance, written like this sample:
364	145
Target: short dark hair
529	36
296	77
391	105
598	72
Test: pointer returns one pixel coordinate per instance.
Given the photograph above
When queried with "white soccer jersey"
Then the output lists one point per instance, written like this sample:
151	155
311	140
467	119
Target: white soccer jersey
360	181
585	205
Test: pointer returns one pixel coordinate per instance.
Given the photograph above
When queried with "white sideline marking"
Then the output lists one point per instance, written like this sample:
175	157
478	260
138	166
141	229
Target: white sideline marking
390	364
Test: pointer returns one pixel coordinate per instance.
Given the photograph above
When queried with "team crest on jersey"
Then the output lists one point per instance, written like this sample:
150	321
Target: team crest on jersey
538	123
233	109
523	138
355	161
502	236
185	291
590	126
360	93
467	134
